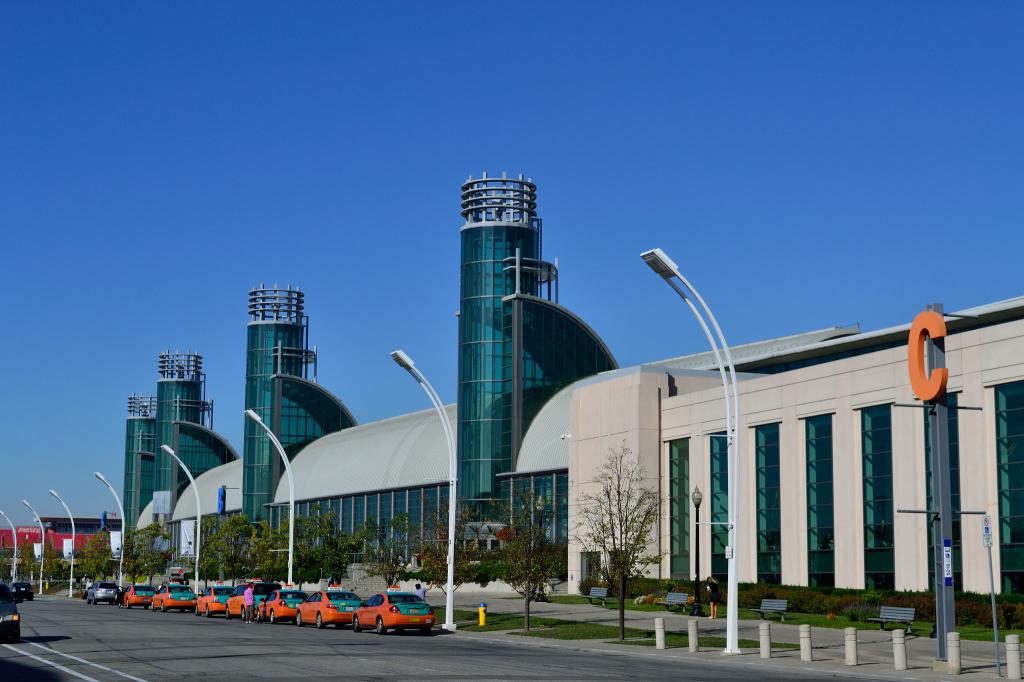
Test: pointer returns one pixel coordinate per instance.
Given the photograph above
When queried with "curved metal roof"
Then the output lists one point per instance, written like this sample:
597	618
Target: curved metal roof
546	443
229	475
400	452
145	516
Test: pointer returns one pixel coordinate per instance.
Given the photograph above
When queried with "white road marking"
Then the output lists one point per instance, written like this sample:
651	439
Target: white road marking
82	660
69	671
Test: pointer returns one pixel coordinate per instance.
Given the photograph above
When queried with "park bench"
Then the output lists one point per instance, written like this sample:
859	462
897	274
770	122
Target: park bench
895	614
598	593
674	599
778	606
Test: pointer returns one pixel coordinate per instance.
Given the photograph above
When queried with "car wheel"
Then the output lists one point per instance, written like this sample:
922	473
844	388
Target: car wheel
227	613
163	607
380	629
298	618
319	622
207	611
355	623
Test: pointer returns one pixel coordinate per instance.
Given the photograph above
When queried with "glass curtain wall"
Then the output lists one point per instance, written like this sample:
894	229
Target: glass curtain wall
1010	470
954	474
679	507
821	566
769	518
719	504
876	440
140	434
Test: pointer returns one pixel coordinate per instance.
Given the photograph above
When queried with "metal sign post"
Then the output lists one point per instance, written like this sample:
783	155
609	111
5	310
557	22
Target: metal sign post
986	539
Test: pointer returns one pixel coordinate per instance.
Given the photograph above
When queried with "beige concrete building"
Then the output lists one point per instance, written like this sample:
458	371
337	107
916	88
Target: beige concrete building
827	456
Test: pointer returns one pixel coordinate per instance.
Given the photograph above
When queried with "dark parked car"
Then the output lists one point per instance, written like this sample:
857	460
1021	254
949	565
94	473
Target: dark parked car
10	619
21	591
98	592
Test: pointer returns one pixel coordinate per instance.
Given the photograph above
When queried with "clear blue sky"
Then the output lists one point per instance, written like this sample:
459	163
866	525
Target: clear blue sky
158	159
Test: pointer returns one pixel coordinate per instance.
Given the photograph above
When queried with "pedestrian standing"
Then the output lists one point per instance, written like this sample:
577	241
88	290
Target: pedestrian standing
714	595
421	592
249	600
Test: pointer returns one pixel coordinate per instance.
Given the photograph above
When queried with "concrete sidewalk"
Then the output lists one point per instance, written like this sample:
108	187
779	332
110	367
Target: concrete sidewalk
874	646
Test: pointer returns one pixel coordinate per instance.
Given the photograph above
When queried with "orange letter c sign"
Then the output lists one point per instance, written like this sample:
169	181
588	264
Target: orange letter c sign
927	324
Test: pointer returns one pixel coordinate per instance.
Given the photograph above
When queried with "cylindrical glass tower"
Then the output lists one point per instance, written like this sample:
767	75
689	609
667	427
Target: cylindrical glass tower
501	216
140	432
276	343
179	396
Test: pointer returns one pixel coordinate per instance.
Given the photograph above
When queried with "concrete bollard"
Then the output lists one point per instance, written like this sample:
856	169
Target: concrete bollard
953	652
659	633
899	650
1013	657
691	635
805	643
850	635
765	632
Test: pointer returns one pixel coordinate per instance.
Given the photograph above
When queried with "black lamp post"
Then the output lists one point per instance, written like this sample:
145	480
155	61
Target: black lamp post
697	497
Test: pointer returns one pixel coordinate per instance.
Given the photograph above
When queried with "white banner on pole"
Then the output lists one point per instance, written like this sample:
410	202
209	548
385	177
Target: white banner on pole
186	544
115	543
69	549
37	547
162	502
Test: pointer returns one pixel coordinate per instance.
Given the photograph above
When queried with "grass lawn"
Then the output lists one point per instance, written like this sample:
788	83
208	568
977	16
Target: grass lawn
675	640
611	604
921	628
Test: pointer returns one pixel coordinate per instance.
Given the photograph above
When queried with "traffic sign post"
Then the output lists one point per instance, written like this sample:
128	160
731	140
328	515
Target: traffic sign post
986	540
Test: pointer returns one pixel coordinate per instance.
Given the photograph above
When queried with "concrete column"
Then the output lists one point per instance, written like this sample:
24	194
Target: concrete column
765	632
805	643
899	650
1013	657
659	633
691	635
850	635
953	652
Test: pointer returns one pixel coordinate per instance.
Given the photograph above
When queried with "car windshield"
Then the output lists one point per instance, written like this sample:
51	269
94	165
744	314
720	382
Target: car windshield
22	585
263	589
292	594
144	591
5	595
404	599
221	591
180	588
343	595
107	586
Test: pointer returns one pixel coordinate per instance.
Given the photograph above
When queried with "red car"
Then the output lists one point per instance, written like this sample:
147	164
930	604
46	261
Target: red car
280	605
394	611
335	606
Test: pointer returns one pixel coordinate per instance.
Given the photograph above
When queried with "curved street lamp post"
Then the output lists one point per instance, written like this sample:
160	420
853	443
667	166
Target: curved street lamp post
42	544
71	518
291	487
120	508
406	363
195	490
666	268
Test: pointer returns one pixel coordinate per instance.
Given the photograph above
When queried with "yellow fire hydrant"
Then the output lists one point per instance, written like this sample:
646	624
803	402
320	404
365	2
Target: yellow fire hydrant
483	614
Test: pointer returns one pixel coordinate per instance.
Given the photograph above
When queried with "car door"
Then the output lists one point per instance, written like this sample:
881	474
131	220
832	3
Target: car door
312	607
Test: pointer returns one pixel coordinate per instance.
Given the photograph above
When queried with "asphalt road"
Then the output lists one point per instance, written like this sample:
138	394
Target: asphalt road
70	640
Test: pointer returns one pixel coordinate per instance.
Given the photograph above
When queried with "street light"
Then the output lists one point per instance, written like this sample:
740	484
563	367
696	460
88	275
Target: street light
14	541
291	488
666	268
71	518
406	363
120	508
42	545
199	516
697	497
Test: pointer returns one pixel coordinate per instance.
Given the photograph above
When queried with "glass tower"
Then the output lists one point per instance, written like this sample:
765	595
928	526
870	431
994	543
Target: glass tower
278	362
139	440
517	346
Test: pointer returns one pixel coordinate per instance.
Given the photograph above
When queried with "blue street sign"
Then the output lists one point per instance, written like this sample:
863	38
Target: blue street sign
947	562
221	497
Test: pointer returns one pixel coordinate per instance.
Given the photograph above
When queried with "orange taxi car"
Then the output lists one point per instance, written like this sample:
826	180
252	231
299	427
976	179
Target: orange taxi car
282	604
334	605
174	596
394	610
213	600
236	602
136	595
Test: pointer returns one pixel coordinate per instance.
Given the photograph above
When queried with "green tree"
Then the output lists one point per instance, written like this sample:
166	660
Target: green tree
321	551
228	548
95	559
433	550
269	552
26	559
389	548
528	557
618	513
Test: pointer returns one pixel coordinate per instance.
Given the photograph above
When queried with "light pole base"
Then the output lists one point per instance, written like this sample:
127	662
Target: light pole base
727	652
450	627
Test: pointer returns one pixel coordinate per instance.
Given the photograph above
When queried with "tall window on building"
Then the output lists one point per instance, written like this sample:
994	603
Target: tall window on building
876	440
1010	463
719	504
679	507
821	564
769	519
954	475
